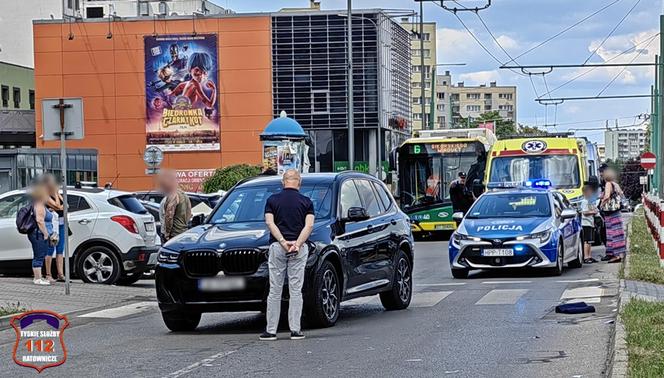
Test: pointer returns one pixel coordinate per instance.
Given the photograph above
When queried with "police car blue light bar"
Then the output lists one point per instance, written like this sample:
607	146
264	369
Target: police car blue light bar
534	184
539	184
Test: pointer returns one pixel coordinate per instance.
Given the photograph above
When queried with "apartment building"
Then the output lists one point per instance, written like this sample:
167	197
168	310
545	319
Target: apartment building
624	144
454	102
17	106
429	37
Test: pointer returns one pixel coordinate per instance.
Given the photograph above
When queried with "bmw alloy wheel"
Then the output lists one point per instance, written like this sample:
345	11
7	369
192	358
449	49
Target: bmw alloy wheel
98	267
403	279
329	294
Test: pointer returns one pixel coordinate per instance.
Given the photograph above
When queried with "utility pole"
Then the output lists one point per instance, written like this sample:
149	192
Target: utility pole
423	89
660	124
351	126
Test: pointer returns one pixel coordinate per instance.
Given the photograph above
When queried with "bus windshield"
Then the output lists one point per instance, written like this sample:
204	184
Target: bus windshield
561	170
425	180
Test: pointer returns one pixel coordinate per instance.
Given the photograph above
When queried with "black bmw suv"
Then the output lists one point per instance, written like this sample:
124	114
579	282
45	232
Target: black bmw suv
361	245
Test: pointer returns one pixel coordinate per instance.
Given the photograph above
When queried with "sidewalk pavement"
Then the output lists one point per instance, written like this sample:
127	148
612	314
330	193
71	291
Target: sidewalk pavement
83	296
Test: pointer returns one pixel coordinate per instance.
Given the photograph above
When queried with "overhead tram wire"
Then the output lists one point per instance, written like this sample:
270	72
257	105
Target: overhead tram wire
565	30
594	67
612	31
622	70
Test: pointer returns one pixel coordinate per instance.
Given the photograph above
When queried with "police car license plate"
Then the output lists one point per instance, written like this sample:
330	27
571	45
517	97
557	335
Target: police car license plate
497	252
221	284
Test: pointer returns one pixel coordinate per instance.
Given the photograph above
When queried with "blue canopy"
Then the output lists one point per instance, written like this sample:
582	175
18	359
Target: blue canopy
283	128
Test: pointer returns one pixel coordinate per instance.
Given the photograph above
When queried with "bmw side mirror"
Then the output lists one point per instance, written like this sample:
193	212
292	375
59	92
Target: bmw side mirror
568	214
458	216
357	214
197	220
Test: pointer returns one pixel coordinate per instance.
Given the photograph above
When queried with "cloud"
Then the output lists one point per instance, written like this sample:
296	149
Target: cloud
480	77
457	45
507	42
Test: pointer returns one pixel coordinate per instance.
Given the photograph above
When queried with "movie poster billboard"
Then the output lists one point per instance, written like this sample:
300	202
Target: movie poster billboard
182	104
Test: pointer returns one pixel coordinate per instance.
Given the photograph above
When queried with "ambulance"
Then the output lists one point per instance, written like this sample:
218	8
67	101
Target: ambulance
560	158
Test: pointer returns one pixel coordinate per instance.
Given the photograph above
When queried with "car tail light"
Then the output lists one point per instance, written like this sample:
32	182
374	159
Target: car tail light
126	222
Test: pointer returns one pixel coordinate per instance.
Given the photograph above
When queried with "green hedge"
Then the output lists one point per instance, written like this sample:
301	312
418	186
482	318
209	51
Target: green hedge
225	178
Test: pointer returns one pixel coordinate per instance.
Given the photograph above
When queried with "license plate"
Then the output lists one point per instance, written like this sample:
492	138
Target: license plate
497	252
153	259
440	227
221	284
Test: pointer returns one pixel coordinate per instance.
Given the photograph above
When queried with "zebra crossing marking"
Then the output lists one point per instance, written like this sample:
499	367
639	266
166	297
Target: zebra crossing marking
501	297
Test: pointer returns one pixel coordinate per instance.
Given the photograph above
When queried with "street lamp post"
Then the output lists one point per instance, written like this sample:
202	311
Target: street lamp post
351	126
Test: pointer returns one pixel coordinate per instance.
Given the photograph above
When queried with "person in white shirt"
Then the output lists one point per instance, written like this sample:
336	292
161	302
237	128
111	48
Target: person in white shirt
588	211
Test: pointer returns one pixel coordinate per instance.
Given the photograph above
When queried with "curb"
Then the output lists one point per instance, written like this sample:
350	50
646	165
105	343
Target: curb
5	320
618	354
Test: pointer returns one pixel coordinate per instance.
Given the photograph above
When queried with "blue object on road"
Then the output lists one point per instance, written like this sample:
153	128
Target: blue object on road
574	308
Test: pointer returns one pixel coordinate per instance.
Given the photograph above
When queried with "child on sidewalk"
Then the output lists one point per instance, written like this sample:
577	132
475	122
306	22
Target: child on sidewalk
588	211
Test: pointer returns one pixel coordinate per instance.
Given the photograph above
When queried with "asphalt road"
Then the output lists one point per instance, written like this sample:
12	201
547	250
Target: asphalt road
493	324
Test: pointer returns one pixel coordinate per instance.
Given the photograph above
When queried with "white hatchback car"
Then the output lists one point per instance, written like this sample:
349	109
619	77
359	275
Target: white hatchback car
113	237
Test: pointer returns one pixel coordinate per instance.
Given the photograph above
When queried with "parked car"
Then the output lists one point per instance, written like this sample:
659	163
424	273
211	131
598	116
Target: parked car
114	239
361	245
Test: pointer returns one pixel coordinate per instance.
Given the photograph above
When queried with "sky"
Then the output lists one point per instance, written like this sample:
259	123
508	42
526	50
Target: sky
520	25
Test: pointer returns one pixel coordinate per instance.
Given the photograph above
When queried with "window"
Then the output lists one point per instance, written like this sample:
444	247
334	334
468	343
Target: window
473	96
17	97
427	53
416	100
415	52
76	203
320	101
368	197
383	195
473	108
129	203
440	95
94	12
417	116
441	121
143	8
416	84
10	205
5	96
31	99
505	96
440	107
349	197
506	107
426	36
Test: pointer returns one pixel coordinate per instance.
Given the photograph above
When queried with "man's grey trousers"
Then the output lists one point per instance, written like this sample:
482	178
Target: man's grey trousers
279	265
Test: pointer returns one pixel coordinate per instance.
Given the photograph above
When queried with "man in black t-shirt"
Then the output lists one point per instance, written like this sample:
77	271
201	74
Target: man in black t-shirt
290	217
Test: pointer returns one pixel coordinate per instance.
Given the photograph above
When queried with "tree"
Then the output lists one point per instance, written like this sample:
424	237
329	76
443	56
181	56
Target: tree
226	178
526	130
501	126
630	179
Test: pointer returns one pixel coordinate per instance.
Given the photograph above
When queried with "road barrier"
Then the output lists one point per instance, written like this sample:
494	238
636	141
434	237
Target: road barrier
654	211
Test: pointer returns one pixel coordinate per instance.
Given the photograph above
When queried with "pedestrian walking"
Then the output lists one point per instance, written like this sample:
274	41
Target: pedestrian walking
289	215
610	206
41	235
175	208
588	212
55	204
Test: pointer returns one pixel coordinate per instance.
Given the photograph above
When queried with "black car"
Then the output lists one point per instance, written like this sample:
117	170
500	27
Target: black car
361	245
210	200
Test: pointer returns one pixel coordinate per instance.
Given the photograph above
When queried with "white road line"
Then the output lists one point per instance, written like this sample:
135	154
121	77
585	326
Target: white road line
582	292
118	312
502	296
201	363
443	284
505	282
583	280
428	299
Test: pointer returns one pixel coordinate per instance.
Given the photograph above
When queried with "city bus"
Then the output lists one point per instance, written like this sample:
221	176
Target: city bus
560	158
428	163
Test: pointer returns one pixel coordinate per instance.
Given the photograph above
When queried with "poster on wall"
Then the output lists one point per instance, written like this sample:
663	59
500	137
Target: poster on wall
191	180
280	156
182	104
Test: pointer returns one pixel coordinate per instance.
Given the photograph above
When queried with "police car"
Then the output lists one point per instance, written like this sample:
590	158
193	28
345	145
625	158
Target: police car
517	226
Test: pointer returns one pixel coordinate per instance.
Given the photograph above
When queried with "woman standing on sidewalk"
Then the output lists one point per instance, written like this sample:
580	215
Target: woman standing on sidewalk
55	204
40	236
610	206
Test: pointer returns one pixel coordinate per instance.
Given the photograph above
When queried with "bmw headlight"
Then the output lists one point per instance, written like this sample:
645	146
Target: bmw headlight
542	236
168	257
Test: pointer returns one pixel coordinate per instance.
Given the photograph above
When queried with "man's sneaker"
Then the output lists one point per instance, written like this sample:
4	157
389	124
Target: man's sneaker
266	336
41	282
296	335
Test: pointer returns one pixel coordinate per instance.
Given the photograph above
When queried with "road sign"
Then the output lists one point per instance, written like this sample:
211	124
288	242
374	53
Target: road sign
62	119
648	160
153	156
643	180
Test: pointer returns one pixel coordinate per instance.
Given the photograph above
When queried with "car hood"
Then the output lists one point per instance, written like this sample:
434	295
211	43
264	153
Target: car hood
222	236
502	228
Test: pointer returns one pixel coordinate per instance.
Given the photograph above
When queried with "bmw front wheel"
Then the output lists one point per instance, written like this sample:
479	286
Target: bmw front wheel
398	298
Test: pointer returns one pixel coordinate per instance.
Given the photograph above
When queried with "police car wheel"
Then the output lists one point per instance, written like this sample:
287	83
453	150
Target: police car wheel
460	273
558	269
180	321
578	260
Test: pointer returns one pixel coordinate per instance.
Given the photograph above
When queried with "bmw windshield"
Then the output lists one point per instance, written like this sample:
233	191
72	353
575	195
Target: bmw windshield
511	205
247	204
561	170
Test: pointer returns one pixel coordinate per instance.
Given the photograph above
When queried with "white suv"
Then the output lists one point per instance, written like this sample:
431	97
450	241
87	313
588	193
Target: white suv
113	236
